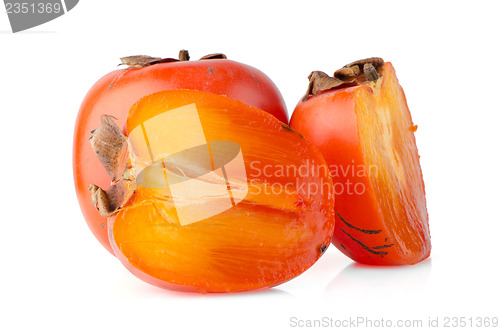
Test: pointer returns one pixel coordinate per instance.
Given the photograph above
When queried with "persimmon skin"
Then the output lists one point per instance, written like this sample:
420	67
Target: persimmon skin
117	91
329	121
264	240
309	118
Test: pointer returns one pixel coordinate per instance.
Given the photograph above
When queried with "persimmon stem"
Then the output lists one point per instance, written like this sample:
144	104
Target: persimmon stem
184	55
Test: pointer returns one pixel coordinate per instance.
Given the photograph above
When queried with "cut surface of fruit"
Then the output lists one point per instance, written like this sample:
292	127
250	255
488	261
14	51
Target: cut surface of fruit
366	134
387	139
219	204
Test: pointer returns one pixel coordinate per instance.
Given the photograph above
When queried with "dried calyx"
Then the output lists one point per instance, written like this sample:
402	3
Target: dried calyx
111	147
141	61
352	74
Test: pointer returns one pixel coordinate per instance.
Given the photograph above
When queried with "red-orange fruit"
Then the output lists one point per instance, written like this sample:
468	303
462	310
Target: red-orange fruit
360	121
118	90
207	194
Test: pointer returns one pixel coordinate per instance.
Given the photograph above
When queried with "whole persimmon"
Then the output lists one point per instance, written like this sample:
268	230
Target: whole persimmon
360	121
206	193
115	93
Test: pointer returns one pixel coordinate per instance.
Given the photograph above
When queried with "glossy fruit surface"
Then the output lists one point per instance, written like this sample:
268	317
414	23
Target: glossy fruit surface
117	91
366	134
181	229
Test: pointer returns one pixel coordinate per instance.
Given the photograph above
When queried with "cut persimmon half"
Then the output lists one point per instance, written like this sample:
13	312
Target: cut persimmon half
212	195
360	121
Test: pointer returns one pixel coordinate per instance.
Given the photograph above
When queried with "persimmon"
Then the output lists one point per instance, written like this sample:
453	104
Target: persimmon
115	93
210	194
360	121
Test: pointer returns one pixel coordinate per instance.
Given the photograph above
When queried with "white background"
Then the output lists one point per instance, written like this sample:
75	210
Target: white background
56	276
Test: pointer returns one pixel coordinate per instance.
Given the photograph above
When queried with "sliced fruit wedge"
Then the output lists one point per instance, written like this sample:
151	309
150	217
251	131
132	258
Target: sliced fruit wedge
360	121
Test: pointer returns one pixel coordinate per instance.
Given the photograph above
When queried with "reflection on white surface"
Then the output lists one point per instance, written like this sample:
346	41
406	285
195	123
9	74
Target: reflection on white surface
358	277
125	286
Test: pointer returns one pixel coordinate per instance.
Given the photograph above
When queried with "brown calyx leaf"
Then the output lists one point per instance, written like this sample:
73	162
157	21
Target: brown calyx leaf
138	61
320	81
345	73
214	56
370	72
349	75
377	62
109	202
110	145
355	69
141	61
352	70
99	199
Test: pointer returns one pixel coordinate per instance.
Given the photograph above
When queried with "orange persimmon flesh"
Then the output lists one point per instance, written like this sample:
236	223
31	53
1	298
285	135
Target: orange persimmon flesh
366	135
387	139
281	226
